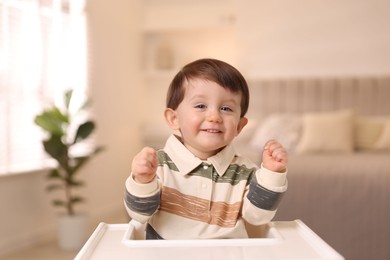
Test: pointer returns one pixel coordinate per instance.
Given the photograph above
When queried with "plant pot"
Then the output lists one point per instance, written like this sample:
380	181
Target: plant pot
72	231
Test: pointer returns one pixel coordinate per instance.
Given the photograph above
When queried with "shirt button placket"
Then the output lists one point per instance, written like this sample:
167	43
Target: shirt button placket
206	186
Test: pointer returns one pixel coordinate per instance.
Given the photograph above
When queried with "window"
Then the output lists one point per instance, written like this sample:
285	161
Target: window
42	54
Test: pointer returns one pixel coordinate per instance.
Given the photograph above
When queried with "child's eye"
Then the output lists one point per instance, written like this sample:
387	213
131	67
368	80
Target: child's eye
200	106
226	109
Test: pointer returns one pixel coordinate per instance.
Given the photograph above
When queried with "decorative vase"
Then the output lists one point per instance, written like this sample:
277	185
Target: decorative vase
72	231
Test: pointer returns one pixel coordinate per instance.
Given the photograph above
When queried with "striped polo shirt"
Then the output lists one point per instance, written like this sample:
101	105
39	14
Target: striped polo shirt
194	199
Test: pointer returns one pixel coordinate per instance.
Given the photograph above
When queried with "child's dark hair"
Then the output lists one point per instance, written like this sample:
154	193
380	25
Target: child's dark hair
209	69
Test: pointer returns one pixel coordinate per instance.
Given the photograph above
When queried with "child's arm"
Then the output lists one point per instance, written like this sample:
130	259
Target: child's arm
142	197
275	157
267	185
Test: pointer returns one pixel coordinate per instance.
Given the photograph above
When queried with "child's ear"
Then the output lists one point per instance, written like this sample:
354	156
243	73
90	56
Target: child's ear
171	118
241	124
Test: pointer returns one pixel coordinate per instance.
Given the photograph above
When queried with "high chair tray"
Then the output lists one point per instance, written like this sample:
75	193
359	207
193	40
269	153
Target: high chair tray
279	240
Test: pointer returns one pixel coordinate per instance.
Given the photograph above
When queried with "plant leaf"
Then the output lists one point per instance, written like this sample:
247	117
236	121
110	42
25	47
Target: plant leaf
58	202
52	121
98	150
53	187
58	150
76	199
74	183
56	114
84	131
68	98
53	174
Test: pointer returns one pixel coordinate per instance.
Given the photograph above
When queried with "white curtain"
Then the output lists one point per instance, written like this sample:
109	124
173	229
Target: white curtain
43	52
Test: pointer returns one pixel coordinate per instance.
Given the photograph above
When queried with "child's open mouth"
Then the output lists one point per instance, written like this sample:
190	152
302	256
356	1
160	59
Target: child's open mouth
214	131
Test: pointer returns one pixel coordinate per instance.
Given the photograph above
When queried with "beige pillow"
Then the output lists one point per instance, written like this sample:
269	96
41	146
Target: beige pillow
327	132
383	142
368	130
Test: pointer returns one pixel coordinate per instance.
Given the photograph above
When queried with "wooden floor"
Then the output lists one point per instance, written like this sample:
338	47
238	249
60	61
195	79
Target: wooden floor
43	252
51	251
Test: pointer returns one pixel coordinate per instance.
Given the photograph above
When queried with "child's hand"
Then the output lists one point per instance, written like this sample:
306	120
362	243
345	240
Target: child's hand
144	165
275	157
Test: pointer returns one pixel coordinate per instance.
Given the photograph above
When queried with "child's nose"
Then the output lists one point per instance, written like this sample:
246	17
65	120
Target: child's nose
214	116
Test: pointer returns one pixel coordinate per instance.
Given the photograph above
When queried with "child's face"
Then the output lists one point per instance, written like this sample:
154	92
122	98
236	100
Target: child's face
208	117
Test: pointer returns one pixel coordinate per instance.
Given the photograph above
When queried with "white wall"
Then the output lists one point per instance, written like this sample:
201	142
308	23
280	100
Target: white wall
117	95
27	216
314	37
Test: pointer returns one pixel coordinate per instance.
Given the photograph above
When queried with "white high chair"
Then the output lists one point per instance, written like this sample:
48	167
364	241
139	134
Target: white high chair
276	240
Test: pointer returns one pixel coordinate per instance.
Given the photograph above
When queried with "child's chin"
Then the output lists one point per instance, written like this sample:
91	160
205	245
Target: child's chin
214	149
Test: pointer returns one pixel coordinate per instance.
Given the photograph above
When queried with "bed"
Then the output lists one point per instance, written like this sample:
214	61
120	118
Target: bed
337	132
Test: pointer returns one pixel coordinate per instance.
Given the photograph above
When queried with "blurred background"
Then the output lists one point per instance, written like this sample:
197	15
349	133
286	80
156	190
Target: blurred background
124	53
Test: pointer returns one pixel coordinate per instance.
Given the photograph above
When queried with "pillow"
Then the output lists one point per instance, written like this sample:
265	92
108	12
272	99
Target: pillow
383	142
367	132
327	132
285	128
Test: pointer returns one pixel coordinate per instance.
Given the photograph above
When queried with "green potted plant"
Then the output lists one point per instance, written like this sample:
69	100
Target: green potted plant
66	129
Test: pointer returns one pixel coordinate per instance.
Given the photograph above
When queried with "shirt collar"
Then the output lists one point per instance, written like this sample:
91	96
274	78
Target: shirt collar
185	161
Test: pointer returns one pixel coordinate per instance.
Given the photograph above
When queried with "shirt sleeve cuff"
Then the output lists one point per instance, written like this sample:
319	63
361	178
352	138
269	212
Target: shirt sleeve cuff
271	179
140	189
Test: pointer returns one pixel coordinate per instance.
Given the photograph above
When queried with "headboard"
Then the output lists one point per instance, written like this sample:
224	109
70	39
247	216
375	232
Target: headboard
367	95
